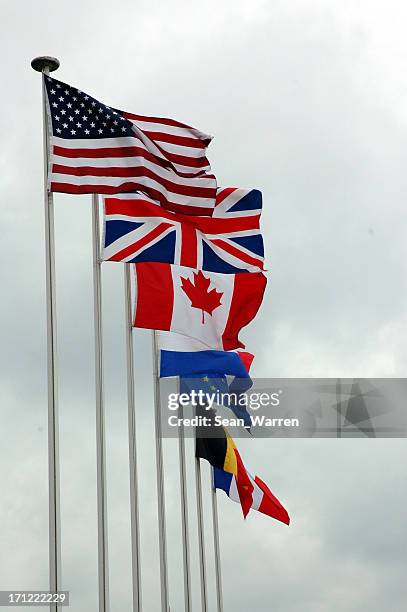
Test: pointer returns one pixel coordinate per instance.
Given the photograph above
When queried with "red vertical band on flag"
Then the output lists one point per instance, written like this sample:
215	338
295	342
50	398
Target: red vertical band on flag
248	291
246	358
270	505
244	485
189	246
154	296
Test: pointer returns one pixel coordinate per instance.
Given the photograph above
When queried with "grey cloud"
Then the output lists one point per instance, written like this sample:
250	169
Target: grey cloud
306	103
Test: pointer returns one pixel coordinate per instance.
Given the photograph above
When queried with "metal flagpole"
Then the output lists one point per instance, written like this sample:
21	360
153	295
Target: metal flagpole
184	513
201	536
103	566
160	481
46	65
134	508
218	573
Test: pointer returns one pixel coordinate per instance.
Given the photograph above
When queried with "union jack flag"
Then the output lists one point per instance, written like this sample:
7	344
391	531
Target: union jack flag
98	149
137	229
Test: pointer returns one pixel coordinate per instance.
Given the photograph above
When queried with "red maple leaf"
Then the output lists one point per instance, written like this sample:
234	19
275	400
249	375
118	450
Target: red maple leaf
199	295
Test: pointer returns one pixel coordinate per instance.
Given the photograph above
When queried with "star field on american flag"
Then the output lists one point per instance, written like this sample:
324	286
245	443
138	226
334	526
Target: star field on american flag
75	114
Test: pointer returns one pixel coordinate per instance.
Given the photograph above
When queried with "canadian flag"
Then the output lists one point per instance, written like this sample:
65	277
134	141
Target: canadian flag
209	307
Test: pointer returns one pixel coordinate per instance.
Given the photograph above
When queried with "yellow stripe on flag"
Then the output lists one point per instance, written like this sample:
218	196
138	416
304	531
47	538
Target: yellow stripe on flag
230	463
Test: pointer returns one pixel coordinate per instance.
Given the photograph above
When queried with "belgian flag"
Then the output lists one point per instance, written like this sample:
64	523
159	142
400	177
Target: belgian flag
214	444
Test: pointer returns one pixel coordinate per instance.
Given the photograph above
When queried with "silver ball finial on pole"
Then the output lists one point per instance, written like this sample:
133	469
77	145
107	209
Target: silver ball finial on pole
44	62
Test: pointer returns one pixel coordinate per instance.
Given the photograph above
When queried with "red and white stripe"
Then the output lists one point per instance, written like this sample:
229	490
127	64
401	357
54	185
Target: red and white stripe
165	159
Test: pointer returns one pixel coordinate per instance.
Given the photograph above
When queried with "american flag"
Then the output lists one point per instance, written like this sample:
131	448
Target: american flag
137	229
98	149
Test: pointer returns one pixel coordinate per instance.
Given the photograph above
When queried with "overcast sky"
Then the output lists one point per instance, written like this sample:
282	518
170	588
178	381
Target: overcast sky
307	101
